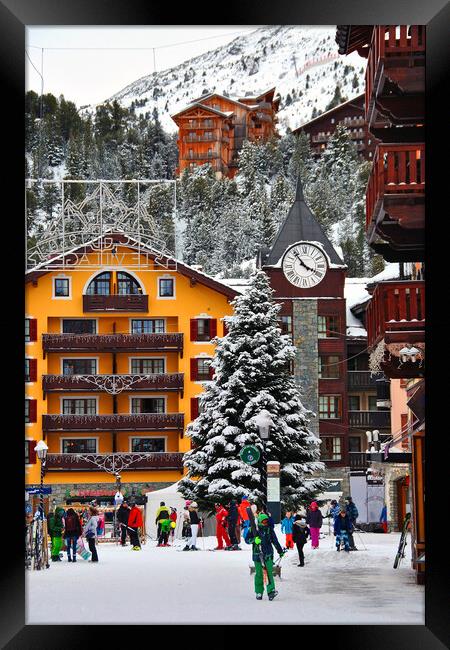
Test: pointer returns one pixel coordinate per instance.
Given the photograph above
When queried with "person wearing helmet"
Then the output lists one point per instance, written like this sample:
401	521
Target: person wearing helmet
262	550
300	533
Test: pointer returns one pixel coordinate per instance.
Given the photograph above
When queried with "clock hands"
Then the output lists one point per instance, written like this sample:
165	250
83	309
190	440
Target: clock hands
308	268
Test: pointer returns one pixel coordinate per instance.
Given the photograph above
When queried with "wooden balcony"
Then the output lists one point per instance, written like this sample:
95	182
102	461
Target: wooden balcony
113	383
369	419
127	461
395	75
166	342
203	155
122	303
199	138
358	380
395	196
114	422
396	313
358	461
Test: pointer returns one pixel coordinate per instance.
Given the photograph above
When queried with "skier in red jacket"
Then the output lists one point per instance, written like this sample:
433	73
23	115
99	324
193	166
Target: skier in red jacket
221	531
134	523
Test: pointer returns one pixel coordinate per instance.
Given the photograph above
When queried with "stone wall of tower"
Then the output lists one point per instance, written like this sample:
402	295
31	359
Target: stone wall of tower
304	324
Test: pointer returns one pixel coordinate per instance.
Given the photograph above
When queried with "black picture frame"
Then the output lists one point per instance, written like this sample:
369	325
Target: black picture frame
14	16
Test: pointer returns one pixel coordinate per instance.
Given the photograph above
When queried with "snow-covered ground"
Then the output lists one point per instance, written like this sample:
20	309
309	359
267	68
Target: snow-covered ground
165	585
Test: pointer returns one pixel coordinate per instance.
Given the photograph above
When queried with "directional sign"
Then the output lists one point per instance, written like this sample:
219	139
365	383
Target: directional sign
250	454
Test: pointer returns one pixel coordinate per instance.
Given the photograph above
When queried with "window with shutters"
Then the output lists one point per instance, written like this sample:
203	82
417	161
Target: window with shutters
30	330
203	329
27	452
330	407
148	444
196	407
30	370
201	370
30	411
30	454
147	366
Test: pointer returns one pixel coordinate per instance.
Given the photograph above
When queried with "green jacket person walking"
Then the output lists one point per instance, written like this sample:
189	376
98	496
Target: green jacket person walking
263	552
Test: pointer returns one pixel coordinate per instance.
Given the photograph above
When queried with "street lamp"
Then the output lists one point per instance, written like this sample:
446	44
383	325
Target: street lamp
41	451
264	421
373	440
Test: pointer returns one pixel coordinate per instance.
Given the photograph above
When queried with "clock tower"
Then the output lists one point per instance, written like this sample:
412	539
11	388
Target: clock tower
308	278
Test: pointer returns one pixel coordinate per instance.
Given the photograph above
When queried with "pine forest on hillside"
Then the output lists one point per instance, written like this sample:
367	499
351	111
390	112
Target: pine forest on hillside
223	222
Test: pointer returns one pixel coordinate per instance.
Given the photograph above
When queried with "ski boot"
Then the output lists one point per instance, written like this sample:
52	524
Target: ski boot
194	548
272	594
259	596
186	548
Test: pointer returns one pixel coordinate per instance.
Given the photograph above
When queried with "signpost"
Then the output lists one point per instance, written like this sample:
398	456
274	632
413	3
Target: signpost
250	454
273	490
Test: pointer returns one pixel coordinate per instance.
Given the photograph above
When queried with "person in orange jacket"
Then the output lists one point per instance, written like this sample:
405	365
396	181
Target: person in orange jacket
134	523
243	513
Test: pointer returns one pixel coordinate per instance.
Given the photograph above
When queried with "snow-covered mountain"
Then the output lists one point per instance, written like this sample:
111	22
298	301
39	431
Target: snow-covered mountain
301	62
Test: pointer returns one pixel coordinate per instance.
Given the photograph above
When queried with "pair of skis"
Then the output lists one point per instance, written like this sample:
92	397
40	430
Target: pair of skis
254	530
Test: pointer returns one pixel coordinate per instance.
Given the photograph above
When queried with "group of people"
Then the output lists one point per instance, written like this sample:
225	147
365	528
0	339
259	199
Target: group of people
231	520
70	526
344	521
129	518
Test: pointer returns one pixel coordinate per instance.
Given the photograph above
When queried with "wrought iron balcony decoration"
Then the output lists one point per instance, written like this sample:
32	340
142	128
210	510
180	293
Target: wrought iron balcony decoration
115	463
115	384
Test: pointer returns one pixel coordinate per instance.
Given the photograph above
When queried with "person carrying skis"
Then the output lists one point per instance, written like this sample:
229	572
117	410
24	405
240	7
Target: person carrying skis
262	555
221	530
55	525
300	533
286	528
72	531
314	519
342	529
134	523
352	512
123	513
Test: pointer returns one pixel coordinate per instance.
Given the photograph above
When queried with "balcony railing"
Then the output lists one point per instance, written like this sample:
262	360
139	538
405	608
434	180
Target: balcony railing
115	303
114	422
377	419
390	42
358	460
361	380
205	155
114	384
201	124
200	138
126	461
397	170
396	313
112	342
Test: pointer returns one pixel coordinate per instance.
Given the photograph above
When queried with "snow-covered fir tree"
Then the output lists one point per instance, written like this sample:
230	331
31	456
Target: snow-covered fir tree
251	365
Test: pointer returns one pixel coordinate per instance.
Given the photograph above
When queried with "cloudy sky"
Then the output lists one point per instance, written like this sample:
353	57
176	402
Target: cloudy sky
89	64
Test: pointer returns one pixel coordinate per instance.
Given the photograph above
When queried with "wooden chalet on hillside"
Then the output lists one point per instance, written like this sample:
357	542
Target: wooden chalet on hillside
212	128
395	221
350	114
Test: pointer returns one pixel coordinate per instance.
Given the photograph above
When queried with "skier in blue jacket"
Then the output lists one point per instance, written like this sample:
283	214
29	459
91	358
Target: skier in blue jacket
342	529
286	527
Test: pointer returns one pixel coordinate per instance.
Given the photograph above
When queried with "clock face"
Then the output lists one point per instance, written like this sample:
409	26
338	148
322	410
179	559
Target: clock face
304	265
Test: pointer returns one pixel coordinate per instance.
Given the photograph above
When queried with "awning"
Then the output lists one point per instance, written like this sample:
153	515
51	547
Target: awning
416	402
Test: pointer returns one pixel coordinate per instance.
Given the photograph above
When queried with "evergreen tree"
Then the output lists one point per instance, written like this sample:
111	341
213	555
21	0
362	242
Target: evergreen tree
251	374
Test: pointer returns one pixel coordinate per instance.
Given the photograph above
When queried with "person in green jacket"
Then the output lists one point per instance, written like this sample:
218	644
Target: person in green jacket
55	524
164	525
262	549
163	512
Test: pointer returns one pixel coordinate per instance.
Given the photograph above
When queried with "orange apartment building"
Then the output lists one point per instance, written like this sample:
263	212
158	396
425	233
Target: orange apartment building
116	358
212	129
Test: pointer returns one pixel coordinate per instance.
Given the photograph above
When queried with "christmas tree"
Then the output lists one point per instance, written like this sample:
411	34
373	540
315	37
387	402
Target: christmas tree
252	373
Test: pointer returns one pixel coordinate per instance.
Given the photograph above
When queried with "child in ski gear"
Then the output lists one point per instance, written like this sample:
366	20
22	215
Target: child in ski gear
242	508
342	529
186	530
334	509
300	533
262	551
286	528
123	513
221	530
352	512
163	538
314	519
90	532
134	523
194	522
173	522
72	531
55	524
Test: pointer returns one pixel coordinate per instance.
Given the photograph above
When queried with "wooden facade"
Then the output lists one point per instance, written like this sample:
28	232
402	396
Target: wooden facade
212	129
395	214
350	114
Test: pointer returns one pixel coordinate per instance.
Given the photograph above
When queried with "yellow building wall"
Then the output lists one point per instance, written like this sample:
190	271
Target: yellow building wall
192	300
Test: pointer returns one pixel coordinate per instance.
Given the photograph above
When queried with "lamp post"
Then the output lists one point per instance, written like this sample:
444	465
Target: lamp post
373	441
264	421
41	451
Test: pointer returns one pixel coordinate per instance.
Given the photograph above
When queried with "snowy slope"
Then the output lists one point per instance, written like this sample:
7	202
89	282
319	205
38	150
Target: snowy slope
280	56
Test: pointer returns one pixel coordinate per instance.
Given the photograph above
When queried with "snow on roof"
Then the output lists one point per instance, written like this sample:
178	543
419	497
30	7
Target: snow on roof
238	284
355	292
391	272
